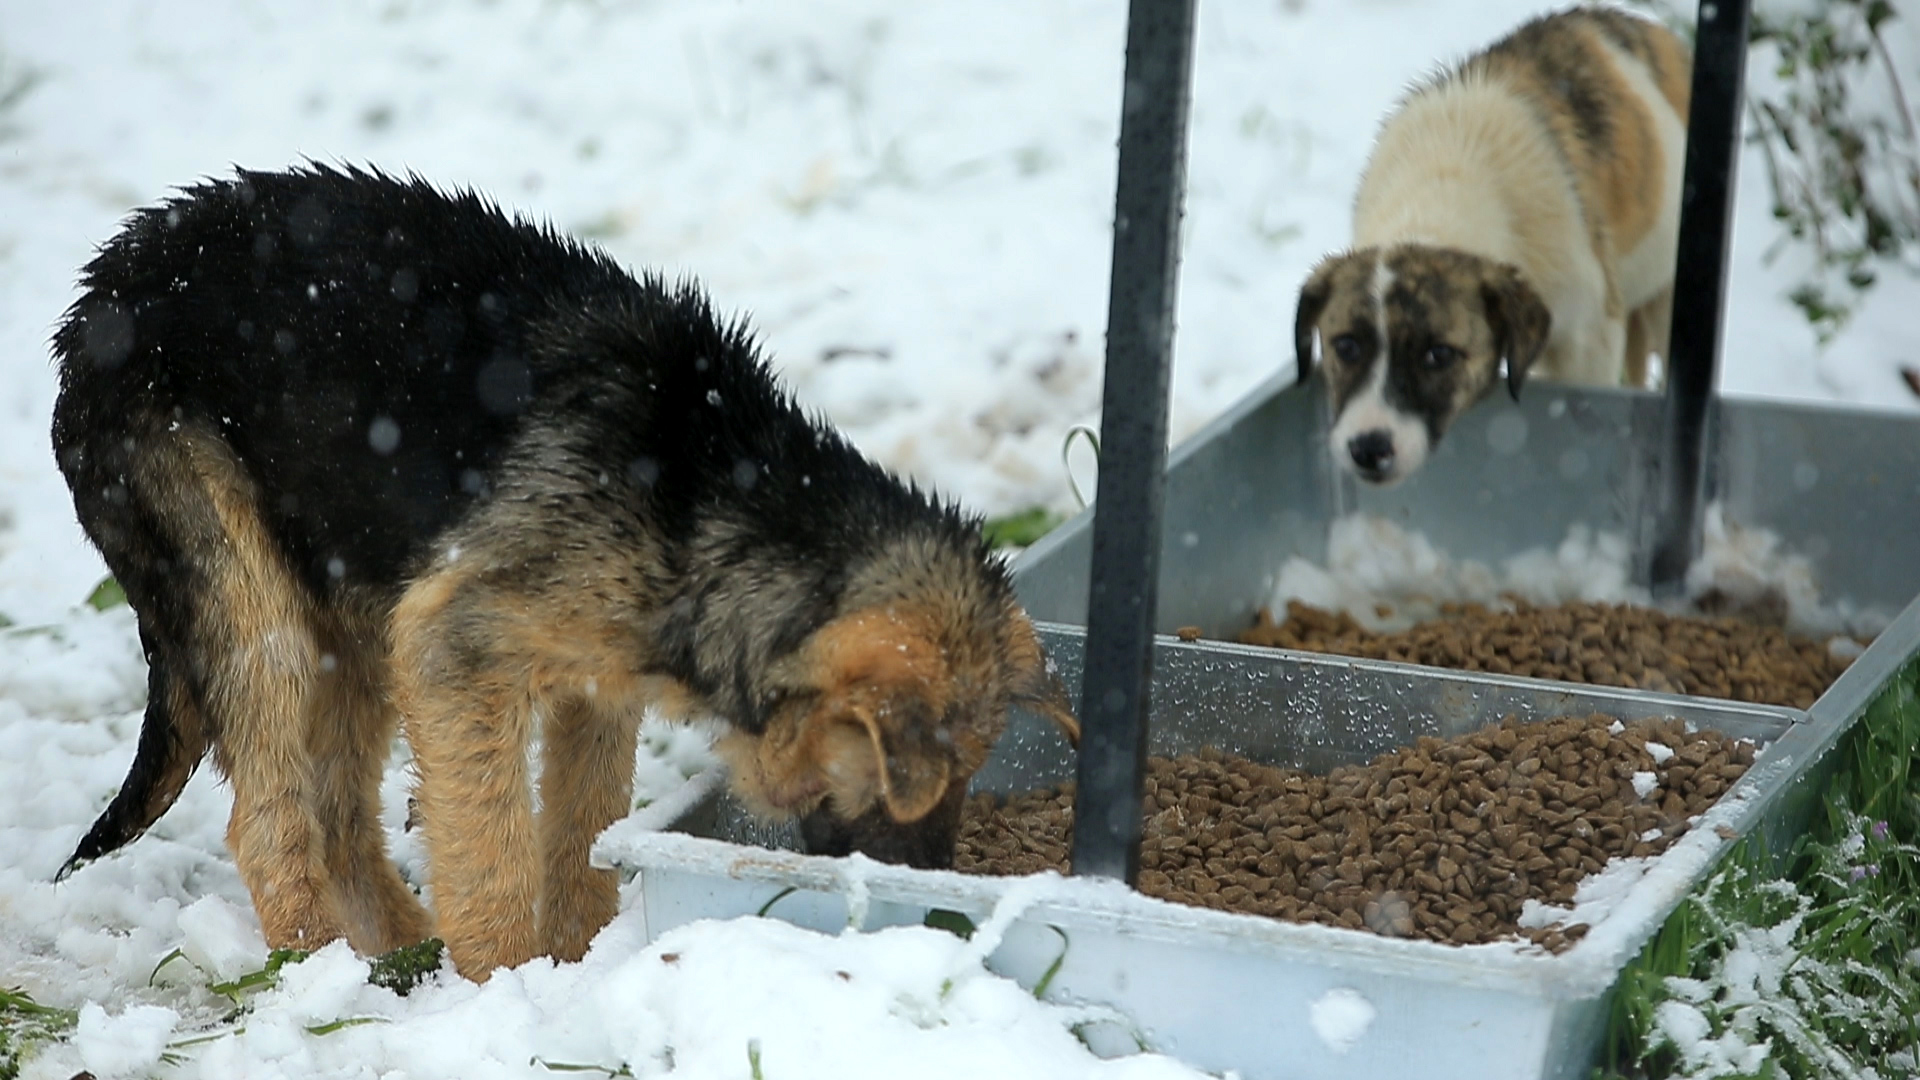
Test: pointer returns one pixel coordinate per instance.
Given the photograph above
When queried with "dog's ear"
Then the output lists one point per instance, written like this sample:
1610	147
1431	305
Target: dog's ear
1313	300
1519	319
1034	687
874	731
859	730
912	765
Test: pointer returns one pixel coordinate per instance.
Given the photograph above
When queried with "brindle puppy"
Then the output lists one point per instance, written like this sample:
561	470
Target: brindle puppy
361	452
1520	211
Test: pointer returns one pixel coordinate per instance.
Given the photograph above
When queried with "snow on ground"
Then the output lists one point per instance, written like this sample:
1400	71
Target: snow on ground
912	203
703	1000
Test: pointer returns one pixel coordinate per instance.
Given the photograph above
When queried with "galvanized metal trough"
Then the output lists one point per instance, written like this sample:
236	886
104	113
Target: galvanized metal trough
1239	992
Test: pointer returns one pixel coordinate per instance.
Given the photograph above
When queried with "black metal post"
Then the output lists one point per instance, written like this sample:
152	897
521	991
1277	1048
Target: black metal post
1133	444
1671	516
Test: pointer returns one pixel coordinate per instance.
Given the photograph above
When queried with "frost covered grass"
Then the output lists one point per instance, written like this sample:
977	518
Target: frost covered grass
24	1025
1804	963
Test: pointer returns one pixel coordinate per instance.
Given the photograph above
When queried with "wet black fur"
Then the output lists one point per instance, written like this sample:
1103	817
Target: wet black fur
312	315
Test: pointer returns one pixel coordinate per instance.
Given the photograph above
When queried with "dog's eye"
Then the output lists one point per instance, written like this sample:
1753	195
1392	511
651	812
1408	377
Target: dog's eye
1347	348
1440	356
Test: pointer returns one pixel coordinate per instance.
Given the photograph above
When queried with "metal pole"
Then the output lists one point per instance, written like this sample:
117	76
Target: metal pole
1670	522
1133	421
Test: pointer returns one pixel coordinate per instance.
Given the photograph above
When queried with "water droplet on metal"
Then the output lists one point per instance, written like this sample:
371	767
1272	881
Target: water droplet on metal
1507	433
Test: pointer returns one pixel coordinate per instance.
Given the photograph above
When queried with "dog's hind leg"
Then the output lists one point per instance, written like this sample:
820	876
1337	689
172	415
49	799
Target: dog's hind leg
349	735
251	651
228	636
1607	349
1593	340
1634	369
586	784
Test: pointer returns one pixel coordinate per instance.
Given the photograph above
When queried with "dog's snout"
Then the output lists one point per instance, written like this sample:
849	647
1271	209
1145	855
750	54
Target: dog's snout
1372	452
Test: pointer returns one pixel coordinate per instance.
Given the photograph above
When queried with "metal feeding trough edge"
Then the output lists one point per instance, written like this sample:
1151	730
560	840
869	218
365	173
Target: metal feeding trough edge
1225	991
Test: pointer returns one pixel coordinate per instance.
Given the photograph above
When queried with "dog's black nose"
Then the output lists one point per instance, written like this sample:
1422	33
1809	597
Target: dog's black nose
1372	452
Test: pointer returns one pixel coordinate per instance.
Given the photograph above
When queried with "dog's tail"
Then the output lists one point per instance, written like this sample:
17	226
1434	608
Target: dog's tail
173	739
149	563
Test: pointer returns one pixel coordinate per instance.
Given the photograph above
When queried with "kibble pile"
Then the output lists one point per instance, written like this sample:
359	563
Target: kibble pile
1443	840
1608	644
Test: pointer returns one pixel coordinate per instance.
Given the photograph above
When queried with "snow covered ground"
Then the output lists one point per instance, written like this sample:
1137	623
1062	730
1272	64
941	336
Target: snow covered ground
911	200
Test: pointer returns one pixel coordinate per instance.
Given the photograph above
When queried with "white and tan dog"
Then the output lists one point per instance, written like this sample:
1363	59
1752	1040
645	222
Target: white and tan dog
1520	210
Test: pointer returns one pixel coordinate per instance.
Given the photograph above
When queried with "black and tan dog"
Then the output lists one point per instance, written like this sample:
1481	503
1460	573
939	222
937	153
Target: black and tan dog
1521	210
363	452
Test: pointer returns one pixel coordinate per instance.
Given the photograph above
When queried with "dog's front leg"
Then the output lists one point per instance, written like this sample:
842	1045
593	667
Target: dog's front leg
476	809
1648	329
586	784
464	698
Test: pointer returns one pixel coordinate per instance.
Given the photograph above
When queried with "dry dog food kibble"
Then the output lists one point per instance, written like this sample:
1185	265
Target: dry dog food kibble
1443	840
1609	644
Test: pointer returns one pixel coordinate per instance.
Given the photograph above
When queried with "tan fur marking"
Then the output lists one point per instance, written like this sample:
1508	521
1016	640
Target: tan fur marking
880	664
768	772
1633	164
1674	74
883	647
1599	180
